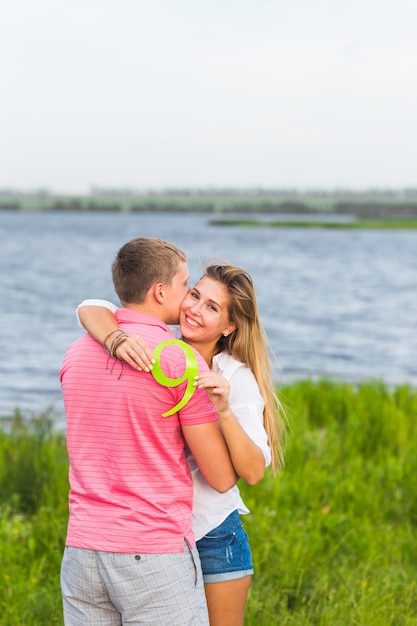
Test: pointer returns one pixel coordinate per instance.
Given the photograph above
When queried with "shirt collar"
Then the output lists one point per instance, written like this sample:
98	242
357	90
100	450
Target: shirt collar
137	317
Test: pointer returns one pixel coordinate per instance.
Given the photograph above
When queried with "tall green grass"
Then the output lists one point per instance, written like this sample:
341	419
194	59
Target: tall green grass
33	517
333	537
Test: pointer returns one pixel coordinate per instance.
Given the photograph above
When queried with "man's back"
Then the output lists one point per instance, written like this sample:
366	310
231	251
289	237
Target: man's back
131	489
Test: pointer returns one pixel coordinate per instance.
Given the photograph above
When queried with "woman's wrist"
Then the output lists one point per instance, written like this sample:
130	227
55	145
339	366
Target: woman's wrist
104	342
226	415
116	342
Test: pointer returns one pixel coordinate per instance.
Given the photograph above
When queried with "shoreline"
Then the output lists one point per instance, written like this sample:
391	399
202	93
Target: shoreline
366	205
407	224
56	414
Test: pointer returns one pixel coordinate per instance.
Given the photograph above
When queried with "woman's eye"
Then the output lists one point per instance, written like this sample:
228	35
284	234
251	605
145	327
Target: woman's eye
194	295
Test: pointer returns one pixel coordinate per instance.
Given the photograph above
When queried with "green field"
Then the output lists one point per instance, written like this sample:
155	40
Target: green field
333	537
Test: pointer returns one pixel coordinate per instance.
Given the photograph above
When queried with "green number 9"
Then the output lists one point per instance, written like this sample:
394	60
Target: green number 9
191	370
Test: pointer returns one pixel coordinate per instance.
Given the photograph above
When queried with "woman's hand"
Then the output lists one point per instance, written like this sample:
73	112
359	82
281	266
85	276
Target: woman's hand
218	390
247	458
136	353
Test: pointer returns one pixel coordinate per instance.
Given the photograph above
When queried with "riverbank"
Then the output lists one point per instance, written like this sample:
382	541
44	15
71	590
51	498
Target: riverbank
333	537
400	204
355	224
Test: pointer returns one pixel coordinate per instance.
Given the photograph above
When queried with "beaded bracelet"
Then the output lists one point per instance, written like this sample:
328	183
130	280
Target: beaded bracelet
109	335
116	343
110	349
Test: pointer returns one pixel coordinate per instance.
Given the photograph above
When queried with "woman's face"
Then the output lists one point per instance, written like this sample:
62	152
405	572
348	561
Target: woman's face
204	313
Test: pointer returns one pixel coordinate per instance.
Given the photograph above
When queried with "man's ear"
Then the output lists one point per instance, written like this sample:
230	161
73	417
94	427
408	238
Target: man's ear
159	293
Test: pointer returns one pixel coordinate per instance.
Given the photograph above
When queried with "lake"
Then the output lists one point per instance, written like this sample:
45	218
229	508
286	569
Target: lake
333	302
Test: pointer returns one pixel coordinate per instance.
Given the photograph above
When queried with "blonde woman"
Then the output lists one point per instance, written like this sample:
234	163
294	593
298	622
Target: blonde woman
219	318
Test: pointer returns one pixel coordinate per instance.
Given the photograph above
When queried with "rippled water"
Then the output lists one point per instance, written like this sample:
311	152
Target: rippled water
339	303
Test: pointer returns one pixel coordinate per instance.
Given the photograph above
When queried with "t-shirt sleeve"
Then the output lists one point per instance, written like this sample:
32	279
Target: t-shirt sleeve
95	302
247	405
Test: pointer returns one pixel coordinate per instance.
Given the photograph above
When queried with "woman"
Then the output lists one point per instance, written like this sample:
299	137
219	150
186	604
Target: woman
220	319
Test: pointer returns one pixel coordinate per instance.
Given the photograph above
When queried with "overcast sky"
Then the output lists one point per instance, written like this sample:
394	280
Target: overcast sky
158	93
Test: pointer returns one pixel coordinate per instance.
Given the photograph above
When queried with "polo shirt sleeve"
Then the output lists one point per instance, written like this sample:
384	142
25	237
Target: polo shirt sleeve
199	409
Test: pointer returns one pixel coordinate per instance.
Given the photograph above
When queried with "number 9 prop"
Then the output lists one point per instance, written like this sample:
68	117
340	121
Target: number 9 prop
191	370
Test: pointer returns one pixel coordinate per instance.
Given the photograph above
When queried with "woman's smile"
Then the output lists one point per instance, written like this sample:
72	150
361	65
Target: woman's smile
191	322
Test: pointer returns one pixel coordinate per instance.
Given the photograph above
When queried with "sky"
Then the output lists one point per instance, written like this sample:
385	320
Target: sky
147	95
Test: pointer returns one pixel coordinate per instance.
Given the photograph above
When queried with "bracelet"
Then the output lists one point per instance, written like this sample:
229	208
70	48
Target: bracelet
116	343
110	349
107	336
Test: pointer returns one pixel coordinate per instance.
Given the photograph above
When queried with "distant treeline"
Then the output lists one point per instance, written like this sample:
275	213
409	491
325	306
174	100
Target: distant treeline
363	205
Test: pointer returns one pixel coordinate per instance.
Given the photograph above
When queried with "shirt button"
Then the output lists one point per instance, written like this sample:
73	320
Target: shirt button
137	557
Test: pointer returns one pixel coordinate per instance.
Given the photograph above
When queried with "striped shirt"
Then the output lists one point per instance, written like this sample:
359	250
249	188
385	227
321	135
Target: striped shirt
130	485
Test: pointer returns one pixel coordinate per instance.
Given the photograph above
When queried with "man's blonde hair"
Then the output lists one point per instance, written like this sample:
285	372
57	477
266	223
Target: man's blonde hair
141	263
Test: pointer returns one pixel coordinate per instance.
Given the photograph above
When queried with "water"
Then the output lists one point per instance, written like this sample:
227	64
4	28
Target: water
337	303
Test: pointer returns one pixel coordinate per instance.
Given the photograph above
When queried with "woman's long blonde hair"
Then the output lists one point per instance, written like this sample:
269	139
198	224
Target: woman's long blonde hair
249	344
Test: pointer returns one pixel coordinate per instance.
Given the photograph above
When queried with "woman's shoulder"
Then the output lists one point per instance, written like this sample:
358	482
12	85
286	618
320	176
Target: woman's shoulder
98	302
226	364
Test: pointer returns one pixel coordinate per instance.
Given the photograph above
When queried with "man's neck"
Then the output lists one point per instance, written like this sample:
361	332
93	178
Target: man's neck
148	309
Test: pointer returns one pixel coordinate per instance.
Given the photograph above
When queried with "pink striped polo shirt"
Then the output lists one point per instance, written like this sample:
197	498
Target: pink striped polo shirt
130	485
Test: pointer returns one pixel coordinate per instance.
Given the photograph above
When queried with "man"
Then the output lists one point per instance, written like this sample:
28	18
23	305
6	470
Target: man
130	553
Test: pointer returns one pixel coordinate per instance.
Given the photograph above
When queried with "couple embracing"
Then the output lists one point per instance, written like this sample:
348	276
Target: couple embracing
154	533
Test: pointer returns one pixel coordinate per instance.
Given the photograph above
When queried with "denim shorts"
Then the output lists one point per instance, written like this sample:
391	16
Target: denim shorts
225	552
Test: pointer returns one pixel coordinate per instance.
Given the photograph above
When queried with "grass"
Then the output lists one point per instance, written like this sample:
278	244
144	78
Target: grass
33	517
333	537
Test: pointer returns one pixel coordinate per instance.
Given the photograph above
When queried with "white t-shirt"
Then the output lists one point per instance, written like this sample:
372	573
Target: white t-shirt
210	508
